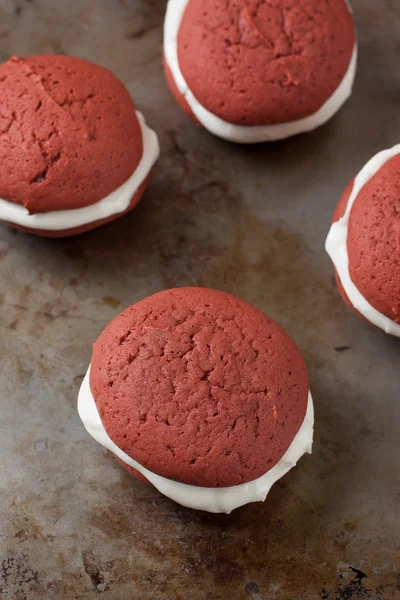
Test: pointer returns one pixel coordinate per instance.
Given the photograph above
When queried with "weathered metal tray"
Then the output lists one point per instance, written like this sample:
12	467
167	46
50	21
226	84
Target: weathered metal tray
251	221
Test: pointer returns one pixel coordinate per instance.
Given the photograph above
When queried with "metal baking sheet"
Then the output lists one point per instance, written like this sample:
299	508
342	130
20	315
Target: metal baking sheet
249	220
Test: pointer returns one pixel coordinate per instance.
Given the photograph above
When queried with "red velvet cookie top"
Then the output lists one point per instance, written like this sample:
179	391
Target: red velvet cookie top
199	387
373	240
253	62
69	133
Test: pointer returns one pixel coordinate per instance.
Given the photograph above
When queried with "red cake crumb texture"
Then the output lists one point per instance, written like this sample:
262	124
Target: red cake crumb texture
373	239
199	387
253	62
69	133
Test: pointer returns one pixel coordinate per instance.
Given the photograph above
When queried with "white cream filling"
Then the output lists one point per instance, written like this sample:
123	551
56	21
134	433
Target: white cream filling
239	133
215	500
113	204
336	246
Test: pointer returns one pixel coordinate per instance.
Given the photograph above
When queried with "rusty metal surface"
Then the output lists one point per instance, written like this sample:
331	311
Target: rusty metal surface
251	221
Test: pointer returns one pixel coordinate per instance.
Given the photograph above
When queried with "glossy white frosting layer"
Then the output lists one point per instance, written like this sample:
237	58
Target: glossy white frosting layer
215	500
239	133
113	204
336	246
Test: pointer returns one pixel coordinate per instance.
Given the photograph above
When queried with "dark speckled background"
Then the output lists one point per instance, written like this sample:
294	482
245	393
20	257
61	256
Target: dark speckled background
73	524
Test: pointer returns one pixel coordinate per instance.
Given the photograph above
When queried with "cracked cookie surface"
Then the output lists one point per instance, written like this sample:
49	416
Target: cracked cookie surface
199	387
373	239
69	134
263	62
